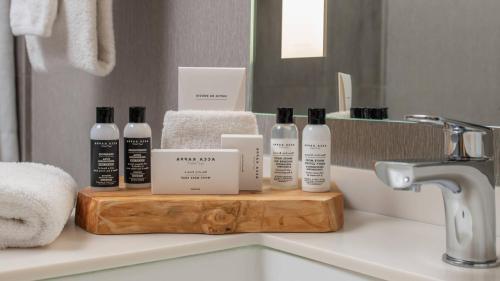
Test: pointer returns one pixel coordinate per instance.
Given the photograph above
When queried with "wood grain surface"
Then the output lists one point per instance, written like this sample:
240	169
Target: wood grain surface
138	211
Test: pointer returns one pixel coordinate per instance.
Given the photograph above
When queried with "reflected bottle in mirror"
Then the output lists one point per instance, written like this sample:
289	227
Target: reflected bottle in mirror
377	113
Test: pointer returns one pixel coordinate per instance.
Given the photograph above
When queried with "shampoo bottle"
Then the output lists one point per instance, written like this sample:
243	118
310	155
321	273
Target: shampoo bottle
284	151
137	149
316	141
104	151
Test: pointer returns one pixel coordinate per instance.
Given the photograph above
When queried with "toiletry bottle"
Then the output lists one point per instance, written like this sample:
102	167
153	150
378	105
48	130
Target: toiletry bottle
284	151
137	149
104	151
316	141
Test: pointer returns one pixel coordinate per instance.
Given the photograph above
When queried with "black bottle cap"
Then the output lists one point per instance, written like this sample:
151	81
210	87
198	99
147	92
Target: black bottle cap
316	116
357	112
369	113
380	113
137	114
284	115
104	115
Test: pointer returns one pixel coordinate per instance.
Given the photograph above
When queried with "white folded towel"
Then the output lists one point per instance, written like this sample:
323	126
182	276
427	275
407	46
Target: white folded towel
35	203
202	129
82	34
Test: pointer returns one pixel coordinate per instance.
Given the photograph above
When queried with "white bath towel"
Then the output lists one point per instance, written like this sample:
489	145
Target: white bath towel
202	129
35	203
32	17
82	36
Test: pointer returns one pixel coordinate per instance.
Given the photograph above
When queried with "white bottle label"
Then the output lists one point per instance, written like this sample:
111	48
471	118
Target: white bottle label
137	156
284	158
316	165
104	159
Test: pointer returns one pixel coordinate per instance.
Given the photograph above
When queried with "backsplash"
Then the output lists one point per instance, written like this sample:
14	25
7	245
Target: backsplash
359	144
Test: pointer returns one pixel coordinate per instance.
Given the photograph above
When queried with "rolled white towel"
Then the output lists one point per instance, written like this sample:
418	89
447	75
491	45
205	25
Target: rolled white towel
203	128
35	203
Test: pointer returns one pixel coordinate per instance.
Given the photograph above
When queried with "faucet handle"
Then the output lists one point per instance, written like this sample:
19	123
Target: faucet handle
462	140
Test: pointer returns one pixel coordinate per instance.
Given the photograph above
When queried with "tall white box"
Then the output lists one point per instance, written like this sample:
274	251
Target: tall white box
250	148
212	88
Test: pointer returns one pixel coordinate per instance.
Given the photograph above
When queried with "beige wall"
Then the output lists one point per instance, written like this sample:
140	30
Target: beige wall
153	38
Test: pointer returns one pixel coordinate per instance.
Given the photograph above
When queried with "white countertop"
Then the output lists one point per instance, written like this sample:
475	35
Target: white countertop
374	245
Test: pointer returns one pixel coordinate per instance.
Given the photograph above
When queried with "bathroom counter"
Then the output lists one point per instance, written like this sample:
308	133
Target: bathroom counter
370	244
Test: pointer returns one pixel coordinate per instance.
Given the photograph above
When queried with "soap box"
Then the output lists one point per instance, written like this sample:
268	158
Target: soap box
250	148
212	88
195	171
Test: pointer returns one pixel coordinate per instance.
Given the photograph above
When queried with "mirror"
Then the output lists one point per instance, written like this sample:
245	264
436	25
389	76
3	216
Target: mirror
429	57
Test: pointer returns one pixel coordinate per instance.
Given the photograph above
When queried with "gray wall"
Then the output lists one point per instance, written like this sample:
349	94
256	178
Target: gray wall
354	45
443	57
152	38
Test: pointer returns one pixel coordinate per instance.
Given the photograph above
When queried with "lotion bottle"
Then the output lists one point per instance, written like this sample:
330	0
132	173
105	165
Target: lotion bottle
104	151
137	149
284	151
316	141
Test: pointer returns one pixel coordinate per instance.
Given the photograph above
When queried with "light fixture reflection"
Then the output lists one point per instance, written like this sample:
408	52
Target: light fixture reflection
303	25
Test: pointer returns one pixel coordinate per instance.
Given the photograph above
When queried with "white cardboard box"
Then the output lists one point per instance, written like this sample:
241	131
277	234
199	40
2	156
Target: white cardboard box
212	88
195	171
250	148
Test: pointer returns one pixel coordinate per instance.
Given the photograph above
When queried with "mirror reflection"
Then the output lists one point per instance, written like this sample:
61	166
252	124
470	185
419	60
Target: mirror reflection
403	56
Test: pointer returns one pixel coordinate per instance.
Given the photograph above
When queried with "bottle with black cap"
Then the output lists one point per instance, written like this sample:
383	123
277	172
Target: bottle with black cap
104	151
137	149
316	141
284	150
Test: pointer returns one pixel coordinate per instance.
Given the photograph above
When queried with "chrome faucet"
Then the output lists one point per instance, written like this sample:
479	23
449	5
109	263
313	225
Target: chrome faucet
467	183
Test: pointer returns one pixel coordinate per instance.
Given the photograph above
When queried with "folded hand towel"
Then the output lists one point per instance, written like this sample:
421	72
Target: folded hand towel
82	36
35	203
202	129
32	17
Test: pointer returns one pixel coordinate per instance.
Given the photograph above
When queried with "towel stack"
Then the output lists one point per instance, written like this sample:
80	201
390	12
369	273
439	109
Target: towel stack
58	33
203	128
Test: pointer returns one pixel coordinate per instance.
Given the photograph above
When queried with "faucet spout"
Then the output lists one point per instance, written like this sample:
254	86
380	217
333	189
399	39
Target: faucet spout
469	196
411	176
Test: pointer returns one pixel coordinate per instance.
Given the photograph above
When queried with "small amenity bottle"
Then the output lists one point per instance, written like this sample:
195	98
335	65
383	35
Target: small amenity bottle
316	141
284	151
137	149
104	151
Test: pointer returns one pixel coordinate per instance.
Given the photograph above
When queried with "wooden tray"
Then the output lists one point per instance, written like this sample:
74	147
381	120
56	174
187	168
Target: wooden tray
138	211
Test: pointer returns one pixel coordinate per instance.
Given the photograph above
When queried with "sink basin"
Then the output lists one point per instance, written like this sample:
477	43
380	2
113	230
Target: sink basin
253	263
